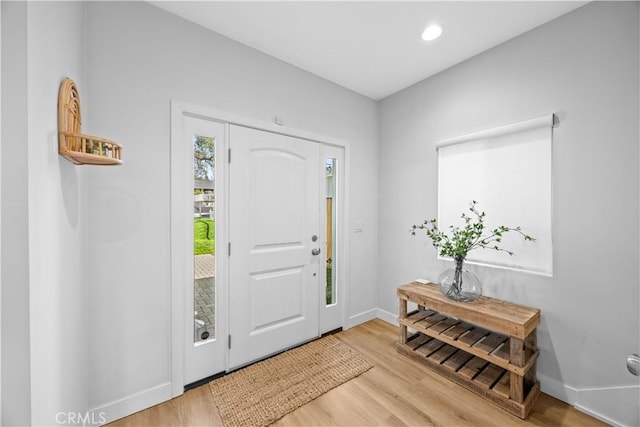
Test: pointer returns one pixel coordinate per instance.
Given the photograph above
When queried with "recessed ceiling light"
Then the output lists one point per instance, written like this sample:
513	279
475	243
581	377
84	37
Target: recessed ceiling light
432	32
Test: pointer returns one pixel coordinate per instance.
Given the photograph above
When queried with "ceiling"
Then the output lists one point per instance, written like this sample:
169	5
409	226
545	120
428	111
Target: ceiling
371	47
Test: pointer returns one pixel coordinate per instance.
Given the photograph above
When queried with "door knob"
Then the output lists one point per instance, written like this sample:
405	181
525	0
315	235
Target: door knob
315	251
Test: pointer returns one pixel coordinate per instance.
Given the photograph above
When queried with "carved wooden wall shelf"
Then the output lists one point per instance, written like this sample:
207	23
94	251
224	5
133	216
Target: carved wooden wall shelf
76	147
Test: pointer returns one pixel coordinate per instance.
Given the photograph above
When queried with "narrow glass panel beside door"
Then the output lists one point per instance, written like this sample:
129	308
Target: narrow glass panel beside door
204	233
198	168
330	168
334	286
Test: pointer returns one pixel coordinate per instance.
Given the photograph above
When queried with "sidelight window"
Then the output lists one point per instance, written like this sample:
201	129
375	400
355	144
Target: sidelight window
330	168
204	233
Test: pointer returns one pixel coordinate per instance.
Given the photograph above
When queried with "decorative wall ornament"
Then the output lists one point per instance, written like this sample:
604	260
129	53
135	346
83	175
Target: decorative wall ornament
76	147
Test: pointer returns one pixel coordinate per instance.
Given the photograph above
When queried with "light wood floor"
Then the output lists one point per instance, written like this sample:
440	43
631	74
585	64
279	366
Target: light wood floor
396	392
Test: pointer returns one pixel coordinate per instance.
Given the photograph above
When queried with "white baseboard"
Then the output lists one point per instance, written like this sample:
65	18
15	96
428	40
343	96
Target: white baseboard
388	317
617	406
131	404
557	389
599	416
359	318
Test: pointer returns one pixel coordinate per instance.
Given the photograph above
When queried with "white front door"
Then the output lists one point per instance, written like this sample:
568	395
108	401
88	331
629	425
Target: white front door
275	235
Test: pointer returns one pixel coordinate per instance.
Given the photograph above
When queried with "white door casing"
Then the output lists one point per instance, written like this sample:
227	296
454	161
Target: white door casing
274	213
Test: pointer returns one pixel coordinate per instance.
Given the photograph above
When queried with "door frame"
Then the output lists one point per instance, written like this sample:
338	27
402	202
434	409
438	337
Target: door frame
178	150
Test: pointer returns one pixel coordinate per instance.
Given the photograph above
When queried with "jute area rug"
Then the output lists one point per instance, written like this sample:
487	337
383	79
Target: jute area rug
264	392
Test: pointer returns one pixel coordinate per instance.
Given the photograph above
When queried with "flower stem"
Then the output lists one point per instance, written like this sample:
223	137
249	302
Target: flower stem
456	286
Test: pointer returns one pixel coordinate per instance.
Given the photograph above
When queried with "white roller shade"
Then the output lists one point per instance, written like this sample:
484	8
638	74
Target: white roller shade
507	170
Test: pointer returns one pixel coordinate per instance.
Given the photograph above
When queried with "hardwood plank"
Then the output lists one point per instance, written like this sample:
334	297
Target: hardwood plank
490	342
517	351
417	341
531	348
402	309
503	352
502	386
473	367
429	348
343	406
389	393
457	330
195	407
473	336
431	320
443	353
444	325
489	376
458	360
420	315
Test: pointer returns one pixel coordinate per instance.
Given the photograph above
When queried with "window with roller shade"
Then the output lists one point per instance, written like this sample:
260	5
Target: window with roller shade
507	170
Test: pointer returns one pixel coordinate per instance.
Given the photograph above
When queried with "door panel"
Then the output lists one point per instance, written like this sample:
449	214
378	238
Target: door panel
274	212
284	283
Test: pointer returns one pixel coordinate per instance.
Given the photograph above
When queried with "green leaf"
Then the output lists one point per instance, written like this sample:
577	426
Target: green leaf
462	240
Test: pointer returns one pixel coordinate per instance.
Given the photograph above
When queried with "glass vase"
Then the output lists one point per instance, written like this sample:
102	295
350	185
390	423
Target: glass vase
459	284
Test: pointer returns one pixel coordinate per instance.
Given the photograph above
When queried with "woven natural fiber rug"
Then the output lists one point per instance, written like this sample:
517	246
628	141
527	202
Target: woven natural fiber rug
264	392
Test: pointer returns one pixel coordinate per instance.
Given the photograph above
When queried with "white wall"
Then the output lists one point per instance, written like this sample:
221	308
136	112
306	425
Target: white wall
44	294
0	211
583	67
16	394
138	59
58	292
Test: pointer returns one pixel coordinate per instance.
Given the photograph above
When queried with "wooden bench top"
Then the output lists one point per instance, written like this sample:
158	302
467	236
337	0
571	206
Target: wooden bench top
500	316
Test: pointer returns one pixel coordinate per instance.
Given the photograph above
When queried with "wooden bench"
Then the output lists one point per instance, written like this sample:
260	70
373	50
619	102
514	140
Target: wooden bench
487	346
